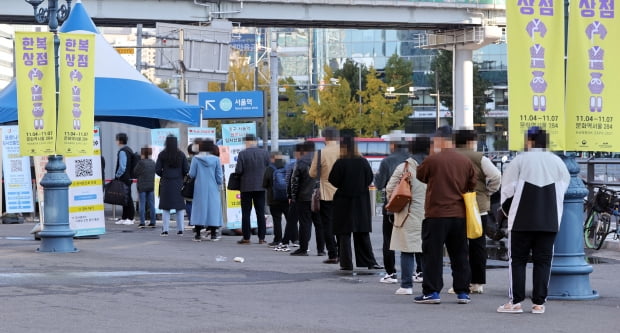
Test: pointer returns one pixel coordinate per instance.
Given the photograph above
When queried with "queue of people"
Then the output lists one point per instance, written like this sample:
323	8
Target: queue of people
440	170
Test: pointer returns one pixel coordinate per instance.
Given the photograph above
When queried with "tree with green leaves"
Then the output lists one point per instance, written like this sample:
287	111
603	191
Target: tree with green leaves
292	120
335	106
353	72
379	115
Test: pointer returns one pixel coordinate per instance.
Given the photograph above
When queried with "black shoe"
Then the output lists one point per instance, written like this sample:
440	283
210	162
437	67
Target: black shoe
375	266
299	252
244	242
151	226
273	244
321	254
346	268
164	234
141	226
180	233
331	261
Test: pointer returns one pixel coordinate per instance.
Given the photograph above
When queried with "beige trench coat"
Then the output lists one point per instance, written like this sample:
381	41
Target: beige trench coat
408	238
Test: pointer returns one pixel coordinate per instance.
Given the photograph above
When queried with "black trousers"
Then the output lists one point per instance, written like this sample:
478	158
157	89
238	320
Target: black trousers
478	256
363	250
541	246
278	209
327	221
129	210
291	231
450	231
306	219
389	259
256	198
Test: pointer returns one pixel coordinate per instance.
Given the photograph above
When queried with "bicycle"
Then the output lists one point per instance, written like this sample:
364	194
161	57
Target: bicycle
602	208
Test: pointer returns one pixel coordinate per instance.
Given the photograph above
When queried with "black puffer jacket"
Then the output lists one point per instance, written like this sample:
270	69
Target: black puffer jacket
145	172
302	184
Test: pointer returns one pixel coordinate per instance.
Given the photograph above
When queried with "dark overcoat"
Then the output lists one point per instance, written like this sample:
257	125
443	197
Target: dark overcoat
171	182
351	177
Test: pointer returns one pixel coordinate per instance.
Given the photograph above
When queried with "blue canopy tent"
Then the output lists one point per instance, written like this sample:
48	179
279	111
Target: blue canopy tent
122	94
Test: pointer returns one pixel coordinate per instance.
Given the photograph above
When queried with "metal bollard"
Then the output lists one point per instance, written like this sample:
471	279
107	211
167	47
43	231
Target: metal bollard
373	200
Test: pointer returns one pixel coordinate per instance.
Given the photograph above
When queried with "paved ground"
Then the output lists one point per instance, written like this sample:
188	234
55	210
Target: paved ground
133	280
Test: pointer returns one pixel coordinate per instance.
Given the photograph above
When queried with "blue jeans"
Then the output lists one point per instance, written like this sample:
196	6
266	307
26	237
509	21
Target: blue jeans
166	219
147	197
407	260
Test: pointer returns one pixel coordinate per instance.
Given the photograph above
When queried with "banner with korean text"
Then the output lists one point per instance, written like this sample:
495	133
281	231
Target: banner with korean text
200	133
36	92
16	173
76	100
592	85
535	32
232	138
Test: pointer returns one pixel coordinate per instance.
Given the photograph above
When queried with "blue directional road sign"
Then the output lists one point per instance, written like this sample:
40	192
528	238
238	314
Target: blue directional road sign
227	105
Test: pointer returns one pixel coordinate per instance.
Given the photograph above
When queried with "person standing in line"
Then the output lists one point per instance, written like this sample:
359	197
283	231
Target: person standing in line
145	173
274	182
302	186
532	196
171	166
487	182
399	153
406	235
192	150
251	165
122	173
206	169
329	154
291	231
351	175
448	174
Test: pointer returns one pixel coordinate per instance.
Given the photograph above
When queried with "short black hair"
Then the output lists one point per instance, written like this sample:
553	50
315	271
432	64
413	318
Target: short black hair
463	136
249	137
538	136
444	132
122	138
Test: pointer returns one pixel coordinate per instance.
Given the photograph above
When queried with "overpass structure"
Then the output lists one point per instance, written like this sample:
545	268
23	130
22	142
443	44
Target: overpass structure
458	25
356	14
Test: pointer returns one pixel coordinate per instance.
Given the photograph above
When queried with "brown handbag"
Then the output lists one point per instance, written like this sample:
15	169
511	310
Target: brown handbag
401	196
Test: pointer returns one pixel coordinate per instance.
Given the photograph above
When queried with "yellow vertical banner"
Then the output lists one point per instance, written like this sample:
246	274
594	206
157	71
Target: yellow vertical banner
35	78
535	35
592	84
76	105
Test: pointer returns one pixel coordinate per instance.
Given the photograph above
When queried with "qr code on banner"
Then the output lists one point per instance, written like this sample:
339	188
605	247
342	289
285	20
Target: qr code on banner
16	166
83	168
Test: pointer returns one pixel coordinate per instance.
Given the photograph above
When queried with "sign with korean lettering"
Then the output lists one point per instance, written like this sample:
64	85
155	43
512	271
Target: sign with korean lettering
76	99
535	32
86	209
231	105
36	92
232	138
16	173
592	85
200	133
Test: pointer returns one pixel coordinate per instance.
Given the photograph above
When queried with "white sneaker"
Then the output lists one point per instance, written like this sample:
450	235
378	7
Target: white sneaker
404	291
475	288
451	291
128	222
120	221
417	278
389	278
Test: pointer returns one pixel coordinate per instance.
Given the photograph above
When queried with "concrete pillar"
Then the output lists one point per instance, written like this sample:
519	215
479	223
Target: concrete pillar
463	91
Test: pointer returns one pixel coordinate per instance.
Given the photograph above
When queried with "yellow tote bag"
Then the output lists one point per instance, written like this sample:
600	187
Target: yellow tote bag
472	214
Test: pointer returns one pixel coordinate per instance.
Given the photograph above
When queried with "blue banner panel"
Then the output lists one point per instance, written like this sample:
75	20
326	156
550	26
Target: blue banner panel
231	105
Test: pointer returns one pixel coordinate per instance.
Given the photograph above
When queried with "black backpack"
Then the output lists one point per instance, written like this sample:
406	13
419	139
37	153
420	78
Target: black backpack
279	184
132	160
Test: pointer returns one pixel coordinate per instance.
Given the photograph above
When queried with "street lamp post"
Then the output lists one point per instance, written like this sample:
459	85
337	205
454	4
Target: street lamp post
56	235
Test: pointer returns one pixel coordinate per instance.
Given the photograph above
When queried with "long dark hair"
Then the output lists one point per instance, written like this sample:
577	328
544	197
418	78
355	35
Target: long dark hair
170	155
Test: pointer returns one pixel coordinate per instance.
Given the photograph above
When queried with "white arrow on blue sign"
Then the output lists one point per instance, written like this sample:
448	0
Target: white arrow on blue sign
230	105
